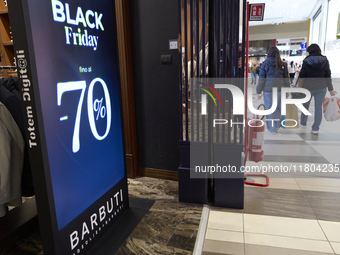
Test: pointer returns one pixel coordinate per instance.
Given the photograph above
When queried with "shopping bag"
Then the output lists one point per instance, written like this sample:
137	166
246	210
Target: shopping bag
292	117
295	81
331	108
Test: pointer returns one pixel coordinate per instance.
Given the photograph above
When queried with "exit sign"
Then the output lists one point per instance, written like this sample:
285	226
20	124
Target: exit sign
256	12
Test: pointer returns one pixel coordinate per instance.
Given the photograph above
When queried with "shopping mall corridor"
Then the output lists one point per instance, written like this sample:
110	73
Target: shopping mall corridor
299	212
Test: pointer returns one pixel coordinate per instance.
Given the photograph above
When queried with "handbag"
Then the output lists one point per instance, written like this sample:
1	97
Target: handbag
298	95
292	117
331	108
297	83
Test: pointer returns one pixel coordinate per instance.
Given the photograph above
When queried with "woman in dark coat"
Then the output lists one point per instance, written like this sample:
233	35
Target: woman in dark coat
317	74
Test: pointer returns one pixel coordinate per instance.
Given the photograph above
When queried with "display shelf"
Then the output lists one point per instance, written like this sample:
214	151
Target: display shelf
6	43
3	5
5	28
9	55
12	73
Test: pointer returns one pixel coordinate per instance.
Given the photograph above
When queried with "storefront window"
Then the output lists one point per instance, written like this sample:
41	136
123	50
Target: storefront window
292	49
332	50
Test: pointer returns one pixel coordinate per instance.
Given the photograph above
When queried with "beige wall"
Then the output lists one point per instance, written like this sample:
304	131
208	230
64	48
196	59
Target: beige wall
283	31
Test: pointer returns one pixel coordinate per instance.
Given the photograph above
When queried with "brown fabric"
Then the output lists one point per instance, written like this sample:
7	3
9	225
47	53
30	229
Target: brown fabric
253	68
291	114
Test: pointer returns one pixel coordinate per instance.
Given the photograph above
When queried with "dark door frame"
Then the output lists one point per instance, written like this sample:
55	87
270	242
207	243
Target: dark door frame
127	86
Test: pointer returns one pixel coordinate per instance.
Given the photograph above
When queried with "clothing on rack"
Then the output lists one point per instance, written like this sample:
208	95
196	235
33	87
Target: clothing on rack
196	73
10	97
206	53
12	100
12	85
11	161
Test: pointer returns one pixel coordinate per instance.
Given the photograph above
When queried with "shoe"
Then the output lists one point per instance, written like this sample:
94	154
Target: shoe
315	132
251	83
303	126
273	133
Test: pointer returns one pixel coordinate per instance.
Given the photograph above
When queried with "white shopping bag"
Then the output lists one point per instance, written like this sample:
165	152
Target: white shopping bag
295	81
331	108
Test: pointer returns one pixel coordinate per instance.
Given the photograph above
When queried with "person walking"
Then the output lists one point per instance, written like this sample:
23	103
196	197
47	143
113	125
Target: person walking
273	74
291	70
253	72
316	75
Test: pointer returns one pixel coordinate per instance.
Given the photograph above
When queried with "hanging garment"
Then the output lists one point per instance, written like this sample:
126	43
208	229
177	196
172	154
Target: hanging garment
10	97
12	85
11	161
206	55
13	104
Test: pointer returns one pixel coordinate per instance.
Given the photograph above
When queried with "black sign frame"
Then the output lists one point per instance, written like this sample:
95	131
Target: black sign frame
55	241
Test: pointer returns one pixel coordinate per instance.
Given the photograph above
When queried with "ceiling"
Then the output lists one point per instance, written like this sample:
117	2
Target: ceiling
283	11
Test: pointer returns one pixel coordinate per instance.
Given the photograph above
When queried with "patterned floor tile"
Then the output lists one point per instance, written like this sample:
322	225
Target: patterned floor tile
325	205
251	249
277	202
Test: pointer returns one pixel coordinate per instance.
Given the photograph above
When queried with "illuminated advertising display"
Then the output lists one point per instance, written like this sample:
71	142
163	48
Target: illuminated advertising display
68	71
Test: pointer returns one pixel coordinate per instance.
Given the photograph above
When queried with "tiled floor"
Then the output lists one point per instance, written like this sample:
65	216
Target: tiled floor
238	232
299	212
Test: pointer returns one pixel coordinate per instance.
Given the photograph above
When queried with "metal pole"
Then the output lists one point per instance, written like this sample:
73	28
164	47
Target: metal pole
180	70
192	119
235	60
211	74
218	57
186	70
246	88
197	66
204	27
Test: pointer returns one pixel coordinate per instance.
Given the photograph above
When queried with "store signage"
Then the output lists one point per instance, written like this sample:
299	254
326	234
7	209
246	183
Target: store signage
256	12
74	33
68	72
303	46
